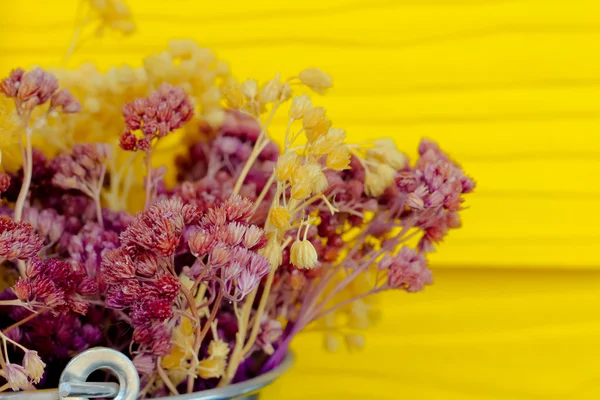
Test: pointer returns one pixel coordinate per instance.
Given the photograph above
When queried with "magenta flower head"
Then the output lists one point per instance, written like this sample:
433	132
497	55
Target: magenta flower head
164	111
57	284
18	241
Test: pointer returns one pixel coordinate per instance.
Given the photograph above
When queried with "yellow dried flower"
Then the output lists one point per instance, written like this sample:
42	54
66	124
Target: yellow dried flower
300	104
250	89
331	342
34	365
280	217
326	143
303	254
301	189
339	158
316	79
313	116
174	359
317	177
377	181
315	123
385	151
272	251
211	367
218	348
286	164
286	93
233	93
271	91
354	342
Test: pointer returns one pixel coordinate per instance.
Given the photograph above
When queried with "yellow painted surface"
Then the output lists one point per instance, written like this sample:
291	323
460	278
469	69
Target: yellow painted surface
510	88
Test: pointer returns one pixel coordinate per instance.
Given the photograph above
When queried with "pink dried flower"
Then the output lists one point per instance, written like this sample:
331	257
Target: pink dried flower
144	363
200	242
10	85
18	241
117	265
65	100
168	286
4	182
83	169
162	112
408	271
57	284
16	376
160	228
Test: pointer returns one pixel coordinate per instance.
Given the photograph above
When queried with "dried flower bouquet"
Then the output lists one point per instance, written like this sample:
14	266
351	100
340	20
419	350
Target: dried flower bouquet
238	246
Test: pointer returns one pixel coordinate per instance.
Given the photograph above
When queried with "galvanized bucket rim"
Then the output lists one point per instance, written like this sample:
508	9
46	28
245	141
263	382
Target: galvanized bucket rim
242	388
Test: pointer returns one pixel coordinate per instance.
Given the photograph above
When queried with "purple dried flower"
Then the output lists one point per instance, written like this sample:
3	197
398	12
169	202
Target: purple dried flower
18	241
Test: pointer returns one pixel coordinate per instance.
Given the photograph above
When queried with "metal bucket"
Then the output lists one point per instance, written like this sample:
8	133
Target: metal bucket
73	383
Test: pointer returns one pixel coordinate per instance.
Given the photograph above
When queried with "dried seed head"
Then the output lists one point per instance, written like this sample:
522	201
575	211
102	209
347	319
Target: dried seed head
303	254
339	158
250	89
300	105
271	91
279	218
385	151
33	365
316	79
326	143
16	376
285	166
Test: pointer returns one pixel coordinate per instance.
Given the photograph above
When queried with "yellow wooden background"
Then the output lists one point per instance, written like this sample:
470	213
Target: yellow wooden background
509	88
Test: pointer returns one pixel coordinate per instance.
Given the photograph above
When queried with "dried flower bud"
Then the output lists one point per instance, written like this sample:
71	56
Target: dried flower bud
200	242
10	86
250	89
300	105
376	182
313	116
303	254
16	376
316	79
280	217
63	99
328	142
354	342
385	151
317	177
285	166
271	91
301	189
233	94
339	158
34	365
272	252
218	348
4	182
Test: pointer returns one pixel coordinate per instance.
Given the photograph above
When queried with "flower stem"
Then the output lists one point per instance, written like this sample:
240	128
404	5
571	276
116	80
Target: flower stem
259	146
27	174
148	179
21	322
205	329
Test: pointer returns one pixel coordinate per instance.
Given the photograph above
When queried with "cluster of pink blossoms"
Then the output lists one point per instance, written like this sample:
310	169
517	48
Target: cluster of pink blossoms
18	241
226	246
36	87
57	285
140	274
162	112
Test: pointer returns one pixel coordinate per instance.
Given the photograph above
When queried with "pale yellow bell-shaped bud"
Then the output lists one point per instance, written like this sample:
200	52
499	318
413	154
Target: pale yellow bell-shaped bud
316	80
250	89
300	104
286	164
303	254
280	217
339	158
326	143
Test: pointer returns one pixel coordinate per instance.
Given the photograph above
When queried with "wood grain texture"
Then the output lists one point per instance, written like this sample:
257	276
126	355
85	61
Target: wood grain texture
510	88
